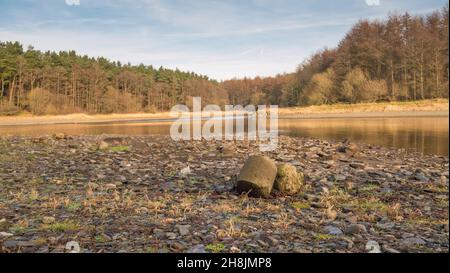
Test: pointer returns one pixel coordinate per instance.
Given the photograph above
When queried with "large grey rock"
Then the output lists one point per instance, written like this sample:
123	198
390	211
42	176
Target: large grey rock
288	180
257	176
332	230
183	229
355	229
197	249
411	243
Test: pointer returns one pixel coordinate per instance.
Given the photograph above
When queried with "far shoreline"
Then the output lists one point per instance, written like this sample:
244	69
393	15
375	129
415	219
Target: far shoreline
427	108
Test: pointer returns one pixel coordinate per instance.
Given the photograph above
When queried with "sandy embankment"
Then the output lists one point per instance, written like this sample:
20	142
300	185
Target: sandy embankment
429	108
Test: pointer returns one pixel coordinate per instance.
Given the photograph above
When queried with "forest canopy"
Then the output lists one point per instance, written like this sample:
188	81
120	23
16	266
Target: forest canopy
404	57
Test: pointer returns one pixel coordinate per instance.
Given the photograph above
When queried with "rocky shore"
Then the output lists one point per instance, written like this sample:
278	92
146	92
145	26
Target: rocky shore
151	194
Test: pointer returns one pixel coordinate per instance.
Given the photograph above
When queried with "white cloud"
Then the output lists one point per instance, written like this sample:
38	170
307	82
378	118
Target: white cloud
72	2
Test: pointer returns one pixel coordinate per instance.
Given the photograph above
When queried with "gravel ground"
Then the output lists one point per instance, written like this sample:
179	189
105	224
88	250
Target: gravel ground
151	194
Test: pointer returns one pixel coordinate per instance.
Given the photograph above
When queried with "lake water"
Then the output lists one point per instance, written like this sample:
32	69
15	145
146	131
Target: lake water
428	135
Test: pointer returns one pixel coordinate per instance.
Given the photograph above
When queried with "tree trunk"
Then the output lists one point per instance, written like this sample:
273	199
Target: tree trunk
3	88
421	74
392	81
436	59
414	86
11	90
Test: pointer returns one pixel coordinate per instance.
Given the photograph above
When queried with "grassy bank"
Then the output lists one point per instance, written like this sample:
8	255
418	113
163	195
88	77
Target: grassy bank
384	109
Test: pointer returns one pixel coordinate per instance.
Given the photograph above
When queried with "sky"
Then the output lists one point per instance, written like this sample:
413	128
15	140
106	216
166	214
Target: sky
222	39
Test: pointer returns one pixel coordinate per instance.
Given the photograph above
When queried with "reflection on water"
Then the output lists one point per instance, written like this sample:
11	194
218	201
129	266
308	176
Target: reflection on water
427	134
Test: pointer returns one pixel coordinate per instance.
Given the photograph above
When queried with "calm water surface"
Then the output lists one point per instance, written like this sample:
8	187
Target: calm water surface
428	135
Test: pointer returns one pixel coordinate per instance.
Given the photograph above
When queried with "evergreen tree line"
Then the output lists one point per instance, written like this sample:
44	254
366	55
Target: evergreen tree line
64	82
401	58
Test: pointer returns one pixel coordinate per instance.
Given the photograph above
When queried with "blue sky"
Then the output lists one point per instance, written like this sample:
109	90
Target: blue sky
221	39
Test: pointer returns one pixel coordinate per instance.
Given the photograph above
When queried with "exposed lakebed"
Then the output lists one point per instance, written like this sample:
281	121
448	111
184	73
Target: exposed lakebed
151	194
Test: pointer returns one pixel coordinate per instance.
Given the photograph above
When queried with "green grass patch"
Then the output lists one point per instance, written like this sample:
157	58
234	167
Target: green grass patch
442	204
120	149
373	205
437	188
61	227
215	248
368	188
151	249
73	206
18	229
323	237
300	205
100	239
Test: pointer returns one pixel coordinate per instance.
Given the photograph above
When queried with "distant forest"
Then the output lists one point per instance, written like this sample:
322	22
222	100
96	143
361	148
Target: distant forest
404	57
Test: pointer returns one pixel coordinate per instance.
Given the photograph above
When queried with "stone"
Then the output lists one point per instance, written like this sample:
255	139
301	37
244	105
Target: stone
158	233
139	145
114	141
385	226
348	148
420	177
352	219
110	186
262	243
288	180
341	149
257	177
183	229
234	249
373	247
390	250
340	178
353	148
5	234
197	249
325	156
332	230
350	243
48	220
411	242
60	136
185	171
11	244
331	214
177	246
272	241
171	235
227	150
103	145
73	247
357	165
268	239
355	229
